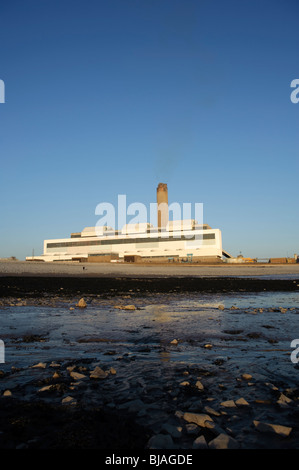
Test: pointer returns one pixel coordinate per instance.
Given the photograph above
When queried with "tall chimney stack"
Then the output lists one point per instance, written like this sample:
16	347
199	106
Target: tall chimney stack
162	205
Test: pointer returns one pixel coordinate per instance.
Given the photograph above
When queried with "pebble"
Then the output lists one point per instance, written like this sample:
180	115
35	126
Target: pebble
69	401
98	373
223	441
200	443
161	441
197	418
283	431
284	400
125	307
46	388
81	303
241	402
54	364
40	365
199	385
133	406
273	387
246	376
211	411
173	431
214	428
192	429
185	383
228	404
77	375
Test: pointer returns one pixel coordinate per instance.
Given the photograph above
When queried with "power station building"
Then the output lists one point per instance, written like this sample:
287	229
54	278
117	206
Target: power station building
178	240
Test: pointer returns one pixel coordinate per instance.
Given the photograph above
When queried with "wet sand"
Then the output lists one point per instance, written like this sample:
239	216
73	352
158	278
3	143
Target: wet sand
170	369
25	268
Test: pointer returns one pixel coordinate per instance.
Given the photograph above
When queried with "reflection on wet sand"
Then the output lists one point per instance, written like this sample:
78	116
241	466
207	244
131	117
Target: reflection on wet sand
219	338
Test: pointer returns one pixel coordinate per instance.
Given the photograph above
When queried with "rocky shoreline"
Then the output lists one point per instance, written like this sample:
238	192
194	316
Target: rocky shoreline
84	404
136	396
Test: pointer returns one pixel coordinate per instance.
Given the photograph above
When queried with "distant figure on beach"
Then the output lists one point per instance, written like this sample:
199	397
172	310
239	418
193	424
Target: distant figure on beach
84	268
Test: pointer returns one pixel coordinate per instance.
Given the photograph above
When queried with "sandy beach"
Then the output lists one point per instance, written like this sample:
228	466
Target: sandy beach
25	268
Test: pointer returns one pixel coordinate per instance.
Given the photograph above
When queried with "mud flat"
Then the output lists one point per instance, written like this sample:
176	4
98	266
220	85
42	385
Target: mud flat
149	361
23	268
35	279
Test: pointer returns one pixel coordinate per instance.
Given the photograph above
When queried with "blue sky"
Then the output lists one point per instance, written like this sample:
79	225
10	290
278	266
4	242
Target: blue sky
112	97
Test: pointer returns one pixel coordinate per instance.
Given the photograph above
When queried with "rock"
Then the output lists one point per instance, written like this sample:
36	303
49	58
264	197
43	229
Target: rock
112	371
133	406
173	431
214	428
199	385
211	411
228	404
46	388
68	401
283	431
7	393
223	441
283	310
197	418
174	341
161	441
40	365
81	303
284	400
200	443
208	346
125	307
241	402
185	383
273	387
56	375
98	373
246	376
194	406
192	429
54	364
221	307
77	375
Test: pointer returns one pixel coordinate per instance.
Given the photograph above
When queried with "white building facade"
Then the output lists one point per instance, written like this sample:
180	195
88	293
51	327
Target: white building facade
179	240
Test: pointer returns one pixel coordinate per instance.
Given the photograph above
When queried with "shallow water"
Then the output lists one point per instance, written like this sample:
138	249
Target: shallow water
248	334
250	338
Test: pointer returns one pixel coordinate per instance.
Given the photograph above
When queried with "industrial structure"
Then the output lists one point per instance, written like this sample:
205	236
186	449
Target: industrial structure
178	240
